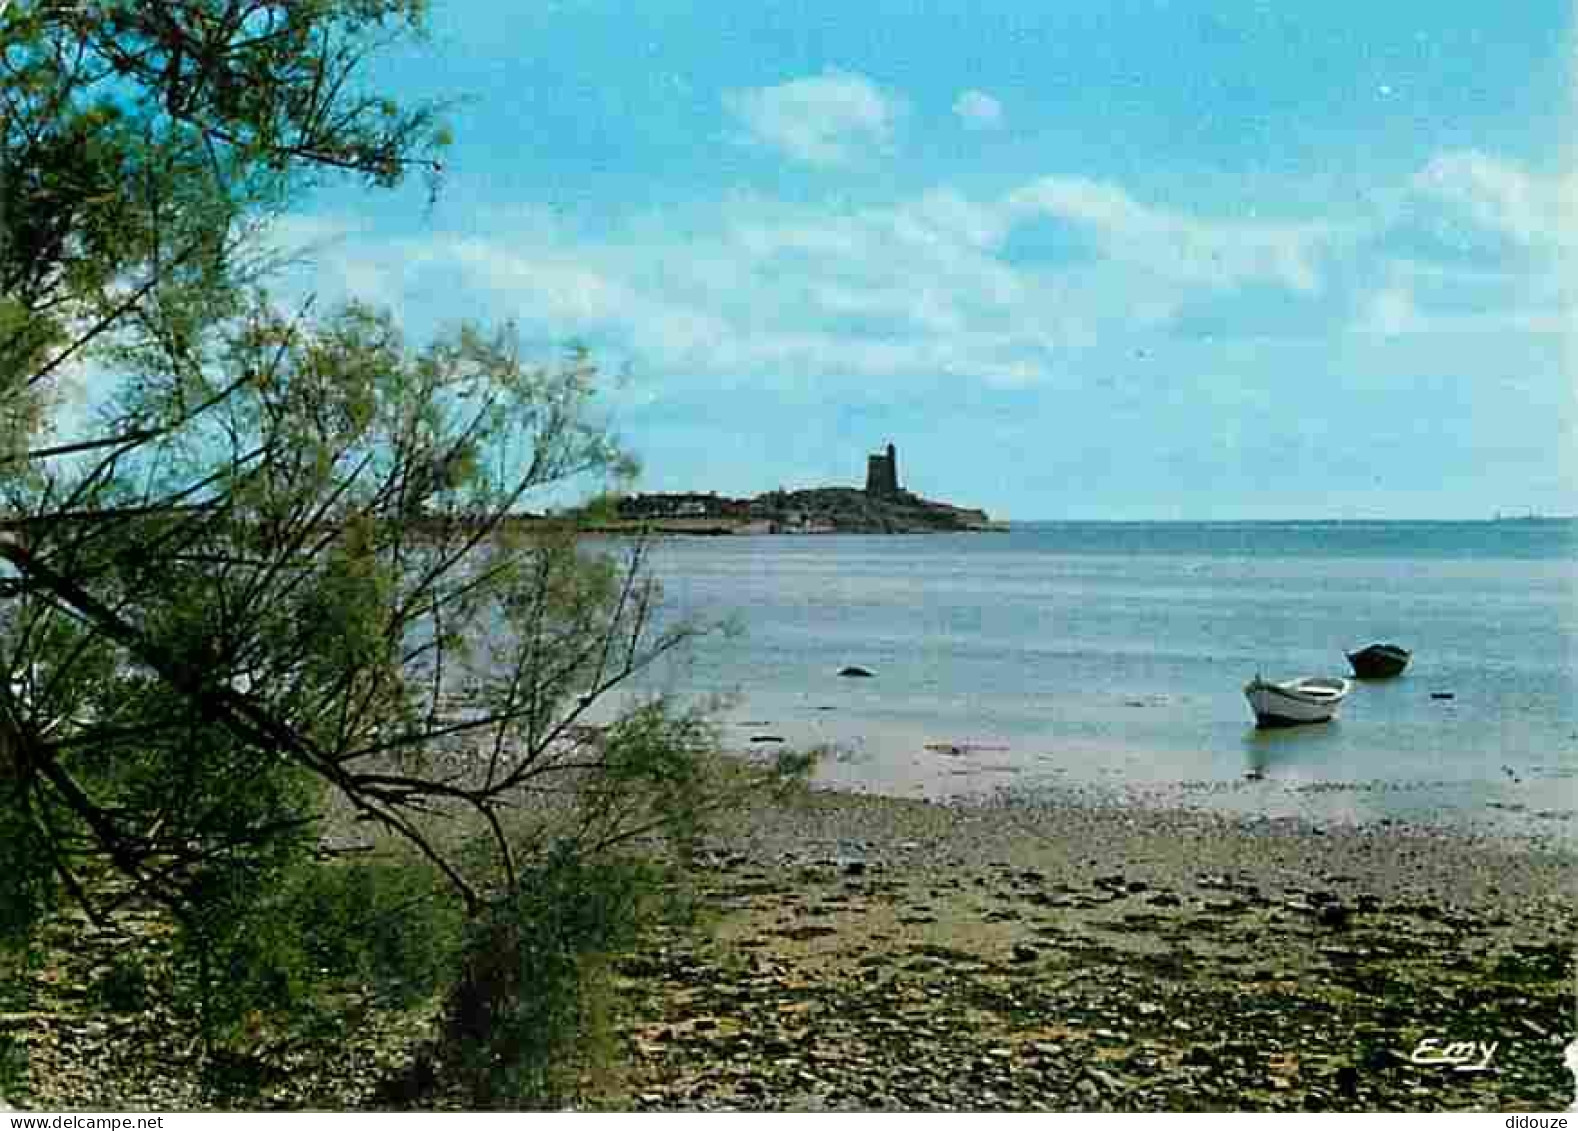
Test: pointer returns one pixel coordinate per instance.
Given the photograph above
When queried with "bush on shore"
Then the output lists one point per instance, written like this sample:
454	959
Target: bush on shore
239	604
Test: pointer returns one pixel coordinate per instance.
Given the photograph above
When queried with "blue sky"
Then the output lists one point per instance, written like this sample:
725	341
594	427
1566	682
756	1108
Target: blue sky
1108	259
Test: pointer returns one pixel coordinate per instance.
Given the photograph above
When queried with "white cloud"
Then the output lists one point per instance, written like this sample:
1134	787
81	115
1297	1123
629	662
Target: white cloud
764	291
826	120
1499	195
1439	273
322	257
768	292
979	110
555	285
1390	311
1405	305
1187	249
754	291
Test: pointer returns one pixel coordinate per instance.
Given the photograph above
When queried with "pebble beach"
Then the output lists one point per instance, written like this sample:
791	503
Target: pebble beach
877	954
864	953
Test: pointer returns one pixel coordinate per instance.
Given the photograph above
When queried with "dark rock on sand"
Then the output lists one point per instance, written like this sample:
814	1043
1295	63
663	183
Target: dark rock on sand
1333	915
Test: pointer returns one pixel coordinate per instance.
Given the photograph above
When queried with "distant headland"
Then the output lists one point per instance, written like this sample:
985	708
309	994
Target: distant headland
1532	516
882	507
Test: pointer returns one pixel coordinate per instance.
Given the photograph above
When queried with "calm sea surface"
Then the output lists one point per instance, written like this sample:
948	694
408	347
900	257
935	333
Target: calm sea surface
1109	659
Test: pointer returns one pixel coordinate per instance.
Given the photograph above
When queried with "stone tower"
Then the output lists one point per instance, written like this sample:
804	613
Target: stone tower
882	473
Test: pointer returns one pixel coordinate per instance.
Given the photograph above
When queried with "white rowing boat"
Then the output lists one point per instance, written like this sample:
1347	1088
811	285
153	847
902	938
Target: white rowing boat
1313	699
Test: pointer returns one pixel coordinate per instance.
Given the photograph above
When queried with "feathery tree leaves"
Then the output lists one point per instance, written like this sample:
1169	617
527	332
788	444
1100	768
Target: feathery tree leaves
282	584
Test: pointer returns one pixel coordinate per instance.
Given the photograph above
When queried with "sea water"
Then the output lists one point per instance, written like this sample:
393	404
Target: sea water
1108	659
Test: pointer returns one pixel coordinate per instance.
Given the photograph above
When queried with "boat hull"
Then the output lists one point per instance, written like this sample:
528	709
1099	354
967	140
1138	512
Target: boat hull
1296	702
1379	661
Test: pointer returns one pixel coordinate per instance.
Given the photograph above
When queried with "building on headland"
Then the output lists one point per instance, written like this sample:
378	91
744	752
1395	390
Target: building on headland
882	473
884	507
690	504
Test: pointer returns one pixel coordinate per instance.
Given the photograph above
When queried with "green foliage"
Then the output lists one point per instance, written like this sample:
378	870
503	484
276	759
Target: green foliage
143	143
15	959
390	927
386	932
655	777
124	986
28	884
530	1006
239	610
13	1067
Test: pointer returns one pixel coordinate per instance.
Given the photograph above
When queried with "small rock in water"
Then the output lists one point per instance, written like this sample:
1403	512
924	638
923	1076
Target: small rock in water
856	672
1442	695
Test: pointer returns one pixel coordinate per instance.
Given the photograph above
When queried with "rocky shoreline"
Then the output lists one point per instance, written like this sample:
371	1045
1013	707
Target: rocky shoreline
888	955
817	510
877	954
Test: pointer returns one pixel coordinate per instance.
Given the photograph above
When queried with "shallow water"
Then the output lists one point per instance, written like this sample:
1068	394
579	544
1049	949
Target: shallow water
1109	659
